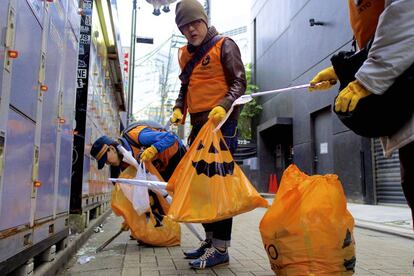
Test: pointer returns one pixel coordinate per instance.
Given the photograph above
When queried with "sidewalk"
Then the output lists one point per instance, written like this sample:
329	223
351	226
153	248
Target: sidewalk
124	257
377	253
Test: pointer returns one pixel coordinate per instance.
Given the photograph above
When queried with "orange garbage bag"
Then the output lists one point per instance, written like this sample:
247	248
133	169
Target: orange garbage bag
308	230
207	185
154	227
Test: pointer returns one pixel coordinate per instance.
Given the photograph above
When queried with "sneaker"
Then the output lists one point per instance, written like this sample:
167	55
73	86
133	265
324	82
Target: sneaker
197	253
212	257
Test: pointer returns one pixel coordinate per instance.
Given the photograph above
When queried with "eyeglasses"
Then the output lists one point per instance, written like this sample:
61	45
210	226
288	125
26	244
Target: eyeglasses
194	24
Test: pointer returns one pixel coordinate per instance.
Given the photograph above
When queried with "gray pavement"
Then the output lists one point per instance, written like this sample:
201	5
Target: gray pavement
395	220
377	253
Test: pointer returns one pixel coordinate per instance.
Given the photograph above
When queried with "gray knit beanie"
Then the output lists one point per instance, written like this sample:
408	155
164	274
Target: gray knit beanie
188	11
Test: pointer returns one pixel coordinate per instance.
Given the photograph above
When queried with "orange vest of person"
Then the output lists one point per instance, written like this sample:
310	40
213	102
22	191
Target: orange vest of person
161	160
364	15
208	85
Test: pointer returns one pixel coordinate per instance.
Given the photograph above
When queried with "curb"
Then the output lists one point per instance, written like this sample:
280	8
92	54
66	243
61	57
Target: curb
385	229
62	257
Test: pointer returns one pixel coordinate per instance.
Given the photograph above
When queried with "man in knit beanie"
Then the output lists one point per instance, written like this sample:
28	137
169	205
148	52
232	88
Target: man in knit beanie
208	92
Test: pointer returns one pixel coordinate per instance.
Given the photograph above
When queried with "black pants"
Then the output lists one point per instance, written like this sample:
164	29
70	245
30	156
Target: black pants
406	154
173	163
221	230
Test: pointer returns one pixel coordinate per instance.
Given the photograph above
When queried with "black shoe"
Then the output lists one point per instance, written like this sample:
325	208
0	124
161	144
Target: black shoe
212	258
141	243
197	253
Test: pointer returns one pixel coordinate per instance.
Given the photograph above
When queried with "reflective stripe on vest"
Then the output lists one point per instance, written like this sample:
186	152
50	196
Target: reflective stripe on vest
162	158
364	15
208	84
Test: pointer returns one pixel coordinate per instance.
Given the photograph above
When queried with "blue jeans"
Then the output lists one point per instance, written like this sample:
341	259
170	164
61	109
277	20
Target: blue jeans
220	231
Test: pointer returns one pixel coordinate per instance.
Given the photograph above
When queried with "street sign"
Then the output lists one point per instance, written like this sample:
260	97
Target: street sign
146	40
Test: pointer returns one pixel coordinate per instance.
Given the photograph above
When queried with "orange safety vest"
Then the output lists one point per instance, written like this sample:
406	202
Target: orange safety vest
162	159
364	15
208	85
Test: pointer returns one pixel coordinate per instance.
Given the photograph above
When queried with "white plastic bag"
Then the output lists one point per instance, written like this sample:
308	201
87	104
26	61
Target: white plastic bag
140	200
138	195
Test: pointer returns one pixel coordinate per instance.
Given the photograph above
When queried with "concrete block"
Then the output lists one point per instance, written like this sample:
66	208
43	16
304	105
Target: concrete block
48	255
26	269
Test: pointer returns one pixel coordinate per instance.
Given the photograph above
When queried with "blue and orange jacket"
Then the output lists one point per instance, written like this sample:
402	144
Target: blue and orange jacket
170	148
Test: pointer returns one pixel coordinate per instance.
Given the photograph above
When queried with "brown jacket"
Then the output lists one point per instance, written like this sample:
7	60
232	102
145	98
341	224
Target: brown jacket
235	77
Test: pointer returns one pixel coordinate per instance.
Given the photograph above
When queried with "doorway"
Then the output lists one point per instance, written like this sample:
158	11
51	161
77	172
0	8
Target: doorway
321	123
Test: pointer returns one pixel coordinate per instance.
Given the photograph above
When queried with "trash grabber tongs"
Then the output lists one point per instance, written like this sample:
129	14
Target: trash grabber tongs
247	98
100	248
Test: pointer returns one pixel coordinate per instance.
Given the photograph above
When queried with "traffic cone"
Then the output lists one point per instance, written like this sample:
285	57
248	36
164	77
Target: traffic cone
269	187
275	184
272	183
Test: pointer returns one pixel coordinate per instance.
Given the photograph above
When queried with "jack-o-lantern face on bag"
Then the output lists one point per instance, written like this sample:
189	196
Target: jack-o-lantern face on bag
208	165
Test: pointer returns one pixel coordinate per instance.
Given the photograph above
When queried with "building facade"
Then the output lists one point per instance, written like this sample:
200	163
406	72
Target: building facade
60	88
100	98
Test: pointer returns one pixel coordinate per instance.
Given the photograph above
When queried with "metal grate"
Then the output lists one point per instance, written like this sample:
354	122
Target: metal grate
387	176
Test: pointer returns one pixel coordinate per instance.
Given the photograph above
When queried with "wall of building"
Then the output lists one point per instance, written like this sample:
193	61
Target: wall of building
99	101
288	51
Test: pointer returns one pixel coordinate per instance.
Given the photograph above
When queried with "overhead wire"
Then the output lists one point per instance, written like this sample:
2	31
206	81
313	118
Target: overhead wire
152	53
155	51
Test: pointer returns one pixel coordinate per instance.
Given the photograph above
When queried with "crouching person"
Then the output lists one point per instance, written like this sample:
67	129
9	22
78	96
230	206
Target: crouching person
161	151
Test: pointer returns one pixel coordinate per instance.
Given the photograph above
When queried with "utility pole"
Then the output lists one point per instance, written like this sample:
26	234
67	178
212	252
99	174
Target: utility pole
178	41
207	7
132	62
164	86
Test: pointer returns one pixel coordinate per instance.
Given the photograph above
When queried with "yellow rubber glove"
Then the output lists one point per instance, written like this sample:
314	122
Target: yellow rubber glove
217	113
177	116
149	153
325	79
349	97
